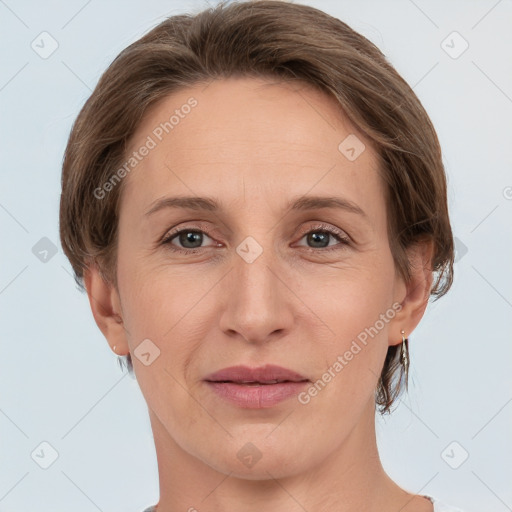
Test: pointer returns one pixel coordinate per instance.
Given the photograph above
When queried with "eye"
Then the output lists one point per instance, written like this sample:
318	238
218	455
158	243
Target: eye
189	239
322	234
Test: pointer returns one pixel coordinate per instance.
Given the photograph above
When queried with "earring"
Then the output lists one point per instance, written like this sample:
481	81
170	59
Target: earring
404	353
114	349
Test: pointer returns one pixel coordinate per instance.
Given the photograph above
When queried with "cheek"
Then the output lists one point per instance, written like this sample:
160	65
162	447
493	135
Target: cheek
356	298
174	310
157	306
358	311
154	296
161	309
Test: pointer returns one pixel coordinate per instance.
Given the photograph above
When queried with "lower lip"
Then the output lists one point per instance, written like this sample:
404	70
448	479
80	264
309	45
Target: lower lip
257	397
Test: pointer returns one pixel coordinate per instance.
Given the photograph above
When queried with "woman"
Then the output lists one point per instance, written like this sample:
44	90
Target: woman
255	202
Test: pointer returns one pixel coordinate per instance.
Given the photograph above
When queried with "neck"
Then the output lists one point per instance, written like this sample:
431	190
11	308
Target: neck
351	478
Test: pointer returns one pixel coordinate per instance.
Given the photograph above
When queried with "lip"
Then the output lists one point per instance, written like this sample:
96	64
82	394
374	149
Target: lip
262	374
256	388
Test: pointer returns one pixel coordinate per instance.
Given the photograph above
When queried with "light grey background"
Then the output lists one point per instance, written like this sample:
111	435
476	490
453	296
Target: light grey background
61	384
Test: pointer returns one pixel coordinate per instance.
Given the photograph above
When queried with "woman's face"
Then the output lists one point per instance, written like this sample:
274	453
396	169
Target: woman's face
264	282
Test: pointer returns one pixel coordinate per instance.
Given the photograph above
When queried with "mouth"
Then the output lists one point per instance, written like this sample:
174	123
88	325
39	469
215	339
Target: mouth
260	376
256	383
256	388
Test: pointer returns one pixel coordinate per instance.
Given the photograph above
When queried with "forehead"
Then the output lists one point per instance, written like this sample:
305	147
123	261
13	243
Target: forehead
236	134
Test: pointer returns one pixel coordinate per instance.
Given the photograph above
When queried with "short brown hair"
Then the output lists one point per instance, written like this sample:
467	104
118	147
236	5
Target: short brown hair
268	39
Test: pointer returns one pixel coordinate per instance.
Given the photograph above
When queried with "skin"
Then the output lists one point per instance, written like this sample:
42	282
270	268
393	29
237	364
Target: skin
254	146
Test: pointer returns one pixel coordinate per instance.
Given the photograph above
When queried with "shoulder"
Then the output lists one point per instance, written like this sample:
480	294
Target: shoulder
439	506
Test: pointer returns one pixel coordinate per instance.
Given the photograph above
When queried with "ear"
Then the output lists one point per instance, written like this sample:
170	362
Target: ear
106	309
413	295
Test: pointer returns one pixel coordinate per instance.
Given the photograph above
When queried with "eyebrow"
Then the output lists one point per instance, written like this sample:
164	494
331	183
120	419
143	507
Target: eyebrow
301	204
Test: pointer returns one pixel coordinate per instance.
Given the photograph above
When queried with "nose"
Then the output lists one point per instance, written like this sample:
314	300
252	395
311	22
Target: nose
258	302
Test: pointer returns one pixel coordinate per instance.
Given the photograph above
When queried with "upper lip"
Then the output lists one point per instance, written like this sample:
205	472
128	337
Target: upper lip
268	374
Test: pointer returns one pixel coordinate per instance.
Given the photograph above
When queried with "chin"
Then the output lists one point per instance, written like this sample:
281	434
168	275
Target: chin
259	459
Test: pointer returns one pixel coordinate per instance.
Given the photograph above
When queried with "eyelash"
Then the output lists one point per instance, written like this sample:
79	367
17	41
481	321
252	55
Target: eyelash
320	228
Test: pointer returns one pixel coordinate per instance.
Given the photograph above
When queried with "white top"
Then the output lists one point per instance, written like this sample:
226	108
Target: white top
439	506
